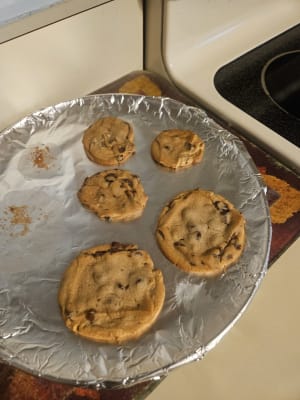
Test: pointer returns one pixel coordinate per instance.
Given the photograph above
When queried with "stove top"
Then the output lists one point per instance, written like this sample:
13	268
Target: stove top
265	83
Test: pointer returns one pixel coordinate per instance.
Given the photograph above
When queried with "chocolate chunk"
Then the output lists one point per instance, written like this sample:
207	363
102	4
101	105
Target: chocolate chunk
116	246
129	182
119	157
179	243
98	253
161	233
110	177
129	194
222	207
233	242
218	252
169	206
68	314
123	287
90	314
188	146
198	235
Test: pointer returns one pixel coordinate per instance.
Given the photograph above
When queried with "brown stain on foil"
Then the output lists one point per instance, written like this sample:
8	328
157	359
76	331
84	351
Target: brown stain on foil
41	157
20	217
16	220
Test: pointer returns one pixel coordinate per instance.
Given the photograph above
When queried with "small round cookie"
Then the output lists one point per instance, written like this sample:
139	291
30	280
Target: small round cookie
114	195
109	141
201	232
177	149
111	293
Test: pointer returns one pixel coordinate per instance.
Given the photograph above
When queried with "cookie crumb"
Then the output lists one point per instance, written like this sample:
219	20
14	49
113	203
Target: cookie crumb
20	217
41	157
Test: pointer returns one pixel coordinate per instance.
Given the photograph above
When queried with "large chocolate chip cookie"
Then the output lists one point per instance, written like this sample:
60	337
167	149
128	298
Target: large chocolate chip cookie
201	232
111	293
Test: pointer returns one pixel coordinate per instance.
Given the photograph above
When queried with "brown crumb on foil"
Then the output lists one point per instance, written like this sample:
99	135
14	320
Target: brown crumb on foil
287	204
20	217
41	157
15	220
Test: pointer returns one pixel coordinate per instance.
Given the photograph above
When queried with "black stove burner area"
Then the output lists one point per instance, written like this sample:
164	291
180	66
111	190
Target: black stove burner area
281	81
265	83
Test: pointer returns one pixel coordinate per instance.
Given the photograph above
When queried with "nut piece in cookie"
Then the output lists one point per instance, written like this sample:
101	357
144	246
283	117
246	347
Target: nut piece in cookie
109	141
177	149
201	232
111	293
114	195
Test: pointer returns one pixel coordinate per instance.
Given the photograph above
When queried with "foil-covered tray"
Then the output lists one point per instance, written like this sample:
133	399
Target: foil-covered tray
43	227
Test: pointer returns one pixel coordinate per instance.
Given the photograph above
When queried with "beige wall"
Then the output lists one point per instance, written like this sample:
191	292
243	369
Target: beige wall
70	58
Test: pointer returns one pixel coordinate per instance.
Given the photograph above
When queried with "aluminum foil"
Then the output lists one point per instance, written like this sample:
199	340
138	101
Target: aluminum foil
43	227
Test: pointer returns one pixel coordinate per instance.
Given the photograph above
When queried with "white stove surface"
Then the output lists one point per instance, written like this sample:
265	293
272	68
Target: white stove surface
200	36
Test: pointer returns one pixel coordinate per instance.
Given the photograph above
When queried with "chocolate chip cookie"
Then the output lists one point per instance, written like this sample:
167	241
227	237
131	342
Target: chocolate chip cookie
114	195
201	232
109	141
177	149
111	293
